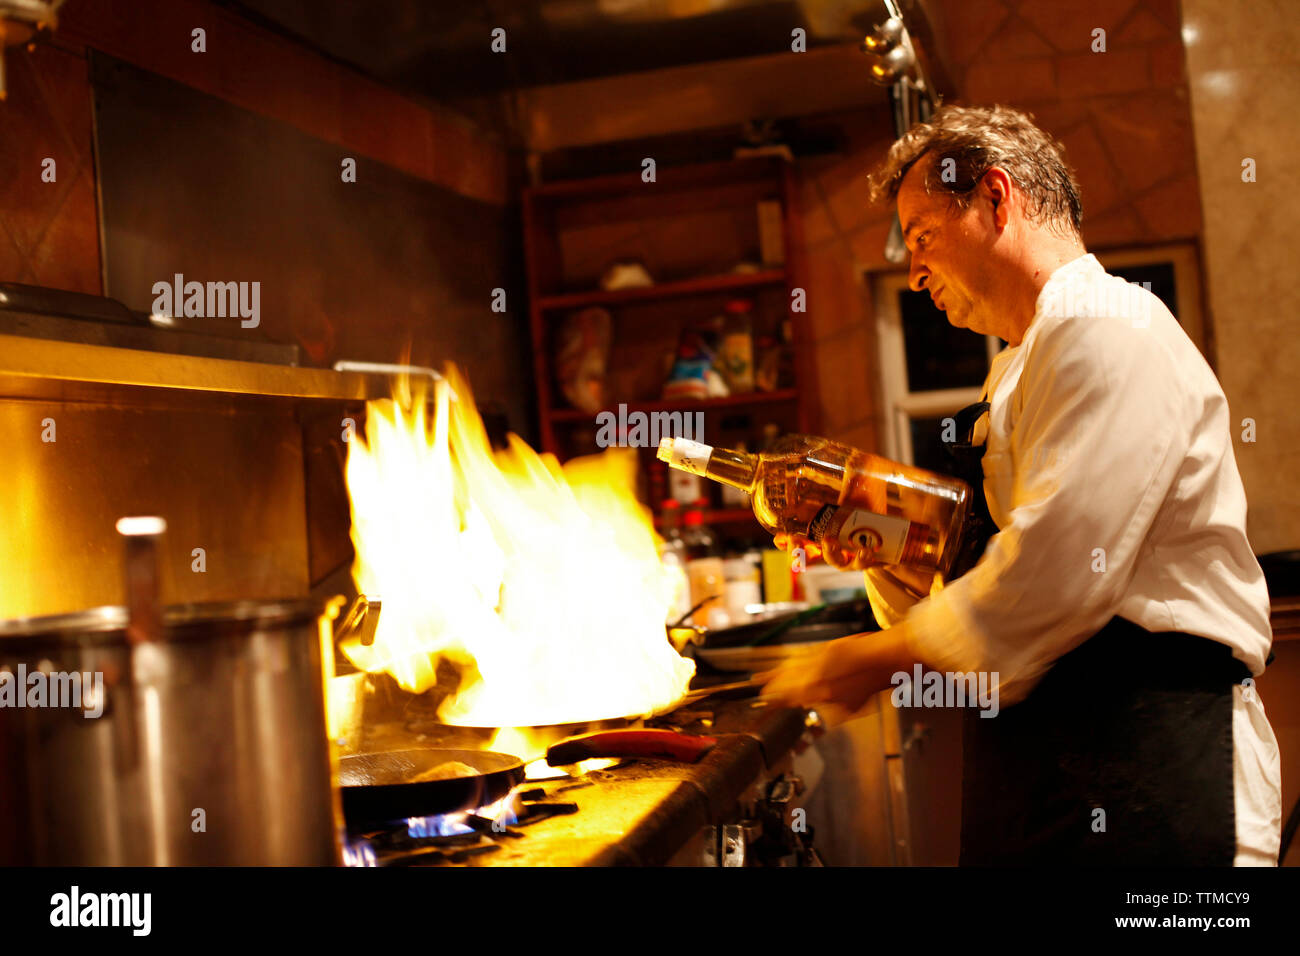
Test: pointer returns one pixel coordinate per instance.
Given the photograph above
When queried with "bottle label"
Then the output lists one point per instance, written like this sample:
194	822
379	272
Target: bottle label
881	536
684	486
686	455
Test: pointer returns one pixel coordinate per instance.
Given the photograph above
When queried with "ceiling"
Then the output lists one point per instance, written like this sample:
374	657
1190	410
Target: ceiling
441	49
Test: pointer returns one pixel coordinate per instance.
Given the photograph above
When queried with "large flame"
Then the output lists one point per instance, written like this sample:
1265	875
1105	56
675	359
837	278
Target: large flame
541	582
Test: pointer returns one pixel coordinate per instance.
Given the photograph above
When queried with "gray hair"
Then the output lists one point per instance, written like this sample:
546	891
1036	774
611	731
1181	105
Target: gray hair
976	139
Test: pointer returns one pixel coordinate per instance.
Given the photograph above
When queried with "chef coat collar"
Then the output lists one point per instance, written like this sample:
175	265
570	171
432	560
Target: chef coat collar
1077	266
1053	288
1084	263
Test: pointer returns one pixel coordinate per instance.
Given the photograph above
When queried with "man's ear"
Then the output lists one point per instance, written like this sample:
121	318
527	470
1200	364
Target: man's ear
997	186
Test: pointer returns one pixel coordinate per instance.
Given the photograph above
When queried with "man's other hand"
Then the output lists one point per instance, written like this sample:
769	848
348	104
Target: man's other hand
830	550
840	678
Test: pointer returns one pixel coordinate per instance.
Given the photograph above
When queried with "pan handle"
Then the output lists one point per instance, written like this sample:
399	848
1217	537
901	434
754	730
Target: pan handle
733	691
144	616
661	744
362	619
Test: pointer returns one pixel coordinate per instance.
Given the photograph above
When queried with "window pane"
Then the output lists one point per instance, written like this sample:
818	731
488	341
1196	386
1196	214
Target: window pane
1161	277
927	444
939	355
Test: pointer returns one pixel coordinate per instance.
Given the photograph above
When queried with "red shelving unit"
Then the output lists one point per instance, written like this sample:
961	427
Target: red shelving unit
731	401
690	227
724	516
705	285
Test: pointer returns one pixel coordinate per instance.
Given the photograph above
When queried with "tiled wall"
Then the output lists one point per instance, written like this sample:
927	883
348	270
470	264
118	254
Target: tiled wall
48	230
412	260
348	301
1245	83
1123	116
277	78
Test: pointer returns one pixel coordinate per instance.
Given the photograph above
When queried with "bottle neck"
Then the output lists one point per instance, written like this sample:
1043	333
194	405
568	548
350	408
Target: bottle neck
735	468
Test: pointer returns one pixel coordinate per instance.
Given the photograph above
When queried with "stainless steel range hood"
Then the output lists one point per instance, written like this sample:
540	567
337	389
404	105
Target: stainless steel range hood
71	347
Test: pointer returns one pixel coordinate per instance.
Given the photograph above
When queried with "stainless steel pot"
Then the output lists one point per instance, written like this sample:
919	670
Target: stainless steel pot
209	748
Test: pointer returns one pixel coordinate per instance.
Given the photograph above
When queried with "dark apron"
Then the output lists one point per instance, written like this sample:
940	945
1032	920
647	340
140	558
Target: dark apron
1134	724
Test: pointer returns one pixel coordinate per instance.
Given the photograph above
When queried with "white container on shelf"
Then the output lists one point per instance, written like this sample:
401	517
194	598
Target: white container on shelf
744	588
820	578
708	580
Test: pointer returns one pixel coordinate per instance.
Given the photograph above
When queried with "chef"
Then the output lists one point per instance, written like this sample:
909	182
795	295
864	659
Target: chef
1107	588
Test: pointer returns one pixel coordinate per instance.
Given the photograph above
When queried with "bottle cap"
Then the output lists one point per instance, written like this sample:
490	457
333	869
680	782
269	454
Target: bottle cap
686	455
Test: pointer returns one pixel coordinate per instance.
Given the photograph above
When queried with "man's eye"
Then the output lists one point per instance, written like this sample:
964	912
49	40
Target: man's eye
923	240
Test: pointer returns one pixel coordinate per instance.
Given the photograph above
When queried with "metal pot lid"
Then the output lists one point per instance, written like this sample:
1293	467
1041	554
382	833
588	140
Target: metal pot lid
108	624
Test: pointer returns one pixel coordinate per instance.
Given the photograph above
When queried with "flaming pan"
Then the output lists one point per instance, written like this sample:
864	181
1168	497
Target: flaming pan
557	732
360	625
418	713
384	787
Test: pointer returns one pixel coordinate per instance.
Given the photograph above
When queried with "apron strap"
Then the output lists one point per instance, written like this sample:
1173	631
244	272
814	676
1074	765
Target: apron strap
964	459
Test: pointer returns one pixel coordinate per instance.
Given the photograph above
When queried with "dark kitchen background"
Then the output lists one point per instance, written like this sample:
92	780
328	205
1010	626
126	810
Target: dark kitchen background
479	171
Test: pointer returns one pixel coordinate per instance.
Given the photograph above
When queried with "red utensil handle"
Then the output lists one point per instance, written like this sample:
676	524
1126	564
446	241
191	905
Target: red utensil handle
662	744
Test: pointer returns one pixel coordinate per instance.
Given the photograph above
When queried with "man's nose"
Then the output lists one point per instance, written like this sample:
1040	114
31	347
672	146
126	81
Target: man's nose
917	274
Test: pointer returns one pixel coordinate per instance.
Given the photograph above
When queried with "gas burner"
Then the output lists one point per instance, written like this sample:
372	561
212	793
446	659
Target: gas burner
455	837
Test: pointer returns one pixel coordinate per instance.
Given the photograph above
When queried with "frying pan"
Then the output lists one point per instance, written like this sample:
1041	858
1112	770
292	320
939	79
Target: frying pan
551	733
359	626
376	788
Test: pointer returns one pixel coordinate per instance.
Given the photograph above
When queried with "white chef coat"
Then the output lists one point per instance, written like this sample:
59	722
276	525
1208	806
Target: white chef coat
1110	473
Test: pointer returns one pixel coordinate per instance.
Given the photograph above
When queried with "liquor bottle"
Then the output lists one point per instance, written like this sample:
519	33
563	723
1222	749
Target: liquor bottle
743	585
873	508
674	559
683	487
736	349
704	570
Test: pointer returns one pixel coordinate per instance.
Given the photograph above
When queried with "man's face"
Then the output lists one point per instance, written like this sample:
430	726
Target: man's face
952	252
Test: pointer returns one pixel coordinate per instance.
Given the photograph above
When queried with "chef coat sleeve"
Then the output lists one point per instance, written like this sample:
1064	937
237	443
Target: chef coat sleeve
893	591
1103	428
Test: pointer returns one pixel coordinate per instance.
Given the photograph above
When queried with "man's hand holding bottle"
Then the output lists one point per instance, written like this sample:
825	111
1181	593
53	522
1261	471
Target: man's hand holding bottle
917	583
831	550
